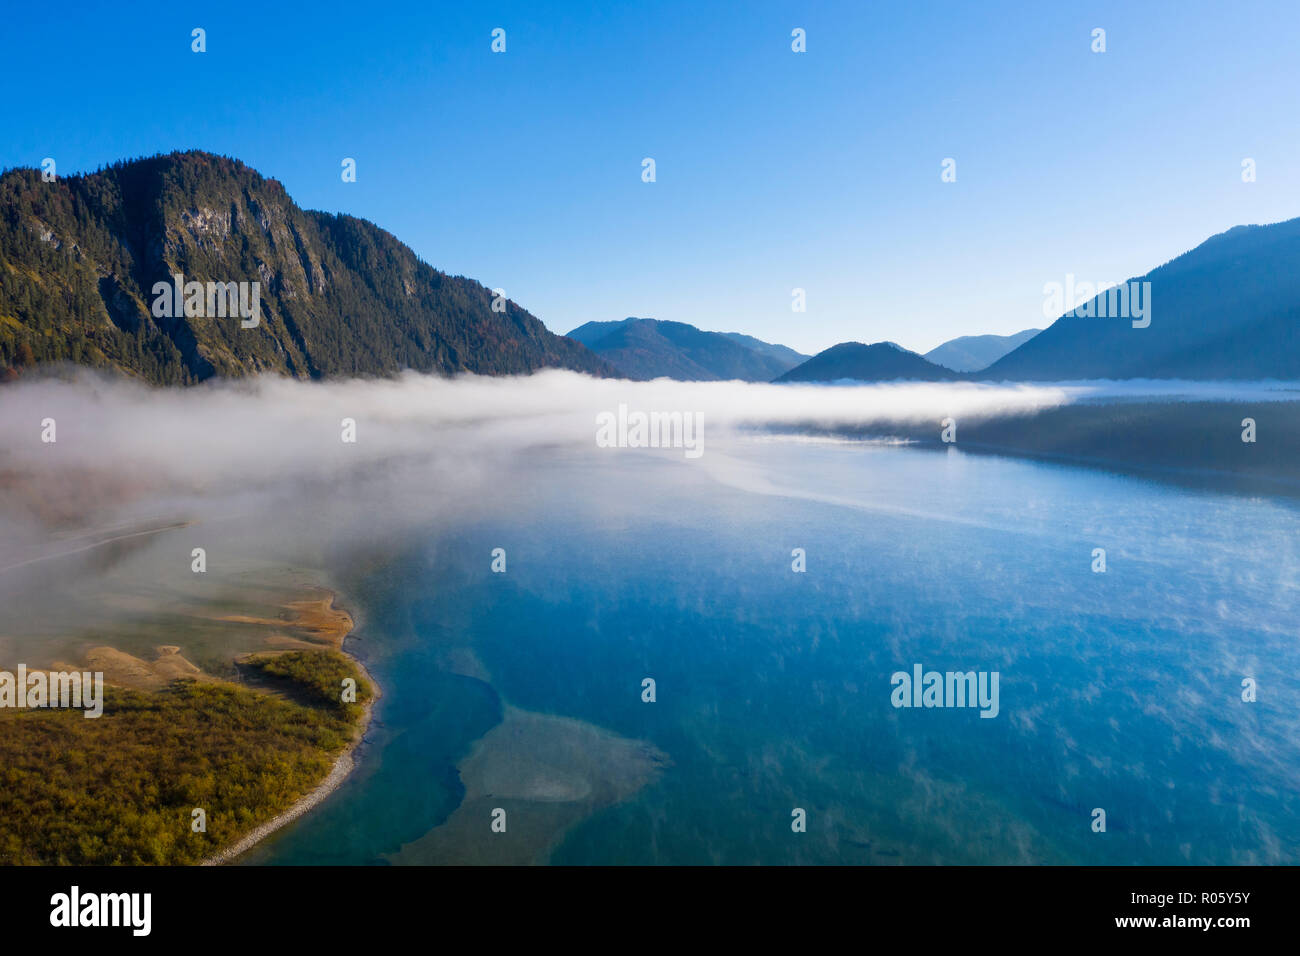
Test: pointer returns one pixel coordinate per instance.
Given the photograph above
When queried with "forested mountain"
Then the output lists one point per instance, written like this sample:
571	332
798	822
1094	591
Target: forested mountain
879	362
653	348
80	256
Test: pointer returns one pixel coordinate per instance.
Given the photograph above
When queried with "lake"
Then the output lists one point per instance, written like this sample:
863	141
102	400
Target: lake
1119	690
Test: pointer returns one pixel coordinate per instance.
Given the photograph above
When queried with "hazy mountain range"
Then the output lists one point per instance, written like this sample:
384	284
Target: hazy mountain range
81	257
1228	309
970	353
650	348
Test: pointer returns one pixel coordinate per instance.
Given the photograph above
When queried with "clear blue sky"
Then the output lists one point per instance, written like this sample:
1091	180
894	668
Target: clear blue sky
775	170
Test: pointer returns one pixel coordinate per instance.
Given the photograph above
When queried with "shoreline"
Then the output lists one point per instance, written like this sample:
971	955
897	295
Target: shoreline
343	766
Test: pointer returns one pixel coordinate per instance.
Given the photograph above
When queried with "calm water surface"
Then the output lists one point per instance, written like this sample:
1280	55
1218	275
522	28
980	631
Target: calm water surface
1120	691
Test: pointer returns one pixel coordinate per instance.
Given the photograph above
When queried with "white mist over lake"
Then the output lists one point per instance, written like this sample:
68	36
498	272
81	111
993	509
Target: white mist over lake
1120	690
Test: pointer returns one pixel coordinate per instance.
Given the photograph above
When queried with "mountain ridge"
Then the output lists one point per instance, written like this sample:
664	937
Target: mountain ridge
1228	308
972	353
877	362
643	349
82	258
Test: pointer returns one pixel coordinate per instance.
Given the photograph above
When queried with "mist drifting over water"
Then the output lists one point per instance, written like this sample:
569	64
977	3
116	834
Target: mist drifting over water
123	451
273	429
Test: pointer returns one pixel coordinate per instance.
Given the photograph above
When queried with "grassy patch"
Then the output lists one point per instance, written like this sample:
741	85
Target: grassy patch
314	675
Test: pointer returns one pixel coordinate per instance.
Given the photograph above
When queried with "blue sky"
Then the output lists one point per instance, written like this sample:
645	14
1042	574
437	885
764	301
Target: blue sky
775	170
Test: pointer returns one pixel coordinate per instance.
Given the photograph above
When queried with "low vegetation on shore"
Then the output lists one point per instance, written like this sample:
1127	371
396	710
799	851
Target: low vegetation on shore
123	788
1193	440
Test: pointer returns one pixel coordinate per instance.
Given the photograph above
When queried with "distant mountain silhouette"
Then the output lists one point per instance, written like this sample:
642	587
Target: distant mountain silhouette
650	348
1228	309
338	296
970	353
881	362
782	352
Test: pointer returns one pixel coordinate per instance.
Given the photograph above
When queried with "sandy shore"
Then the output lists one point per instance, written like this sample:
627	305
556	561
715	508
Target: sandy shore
338	773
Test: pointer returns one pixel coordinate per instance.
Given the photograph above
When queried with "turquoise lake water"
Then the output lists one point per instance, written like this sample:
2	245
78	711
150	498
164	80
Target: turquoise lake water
1120	690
